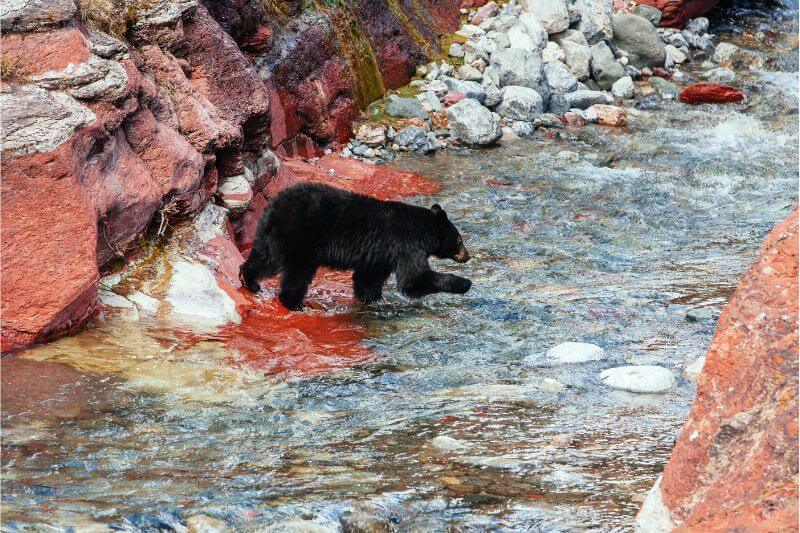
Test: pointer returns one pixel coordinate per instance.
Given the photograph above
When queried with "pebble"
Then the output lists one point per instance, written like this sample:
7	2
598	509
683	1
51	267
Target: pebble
445	443
640	379
699	314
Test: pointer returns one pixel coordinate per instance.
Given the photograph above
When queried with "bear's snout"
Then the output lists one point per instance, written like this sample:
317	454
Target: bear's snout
462	256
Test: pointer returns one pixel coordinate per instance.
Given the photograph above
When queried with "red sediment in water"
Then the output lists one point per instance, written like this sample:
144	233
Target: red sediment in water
300	344
290	344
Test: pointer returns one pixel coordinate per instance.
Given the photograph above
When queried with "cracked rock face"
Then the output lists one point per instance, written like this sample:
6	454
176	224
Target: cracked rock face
735	464
36	120
27	15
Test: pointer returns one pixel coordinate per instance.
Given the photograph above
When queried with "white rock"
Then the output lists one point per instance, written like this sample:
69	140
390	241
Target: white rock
455	51
469	73
694	369
375	134
519	103
195	296
111	299
553	52
575	352
473	124
674	54
535	30
624	88
552	14
550	385
500	39
654	516
643	379
235	192
36	120
468	30
577	57
443	442
518	38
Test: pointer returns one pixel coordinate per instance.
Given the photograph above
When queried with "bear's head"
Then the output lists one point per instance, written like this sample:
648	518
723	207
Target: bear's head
449	244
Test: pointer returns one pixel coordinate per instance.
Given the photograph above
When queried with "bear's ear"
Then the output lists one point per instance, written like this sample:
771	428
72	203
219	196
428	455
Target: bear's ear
440	214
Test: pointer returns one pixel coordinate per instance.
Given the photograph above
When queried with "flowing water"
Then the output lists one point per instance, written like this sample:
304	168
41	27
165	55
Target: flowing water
327	420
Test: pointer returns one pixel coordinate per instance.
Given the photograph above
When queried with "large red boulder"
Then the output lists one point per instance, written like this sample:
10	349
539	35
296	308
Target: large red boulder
735	465
676	13
710	93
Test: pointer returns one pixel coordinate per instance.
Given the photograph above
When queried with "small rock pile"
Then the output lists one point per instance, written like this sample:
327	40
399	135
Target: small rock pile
522	66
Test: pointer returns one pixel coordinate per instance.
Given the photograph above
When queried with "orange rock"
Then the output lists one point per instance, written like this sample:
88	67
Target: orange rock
735	465
608	115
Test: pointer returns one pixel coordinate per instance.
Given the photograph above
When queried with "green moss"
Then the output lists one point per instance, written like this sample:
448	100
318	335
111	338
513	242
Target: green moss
368	83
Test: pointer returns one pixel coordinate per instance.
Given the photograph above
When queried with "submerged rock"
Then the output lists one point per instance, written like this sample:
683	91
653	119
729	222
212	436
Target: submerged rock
710	93
472	124
642	379
567	353
443	442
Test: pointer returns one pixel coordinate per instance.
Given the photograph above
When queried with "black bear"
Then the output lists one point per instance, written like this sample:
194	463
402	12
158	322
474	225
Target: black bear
311	225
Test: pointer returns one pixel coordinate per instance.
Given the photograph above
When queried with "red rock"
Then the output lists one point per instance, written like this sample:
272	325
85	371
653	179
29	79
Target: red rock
735	465
678	12
661	73
452	98
49	273
39	52
487	10
710	93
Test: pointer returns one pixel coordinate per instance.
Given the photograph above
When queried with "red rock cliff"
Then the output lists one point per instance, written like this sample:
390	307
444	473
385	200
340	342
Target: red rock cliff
106	138
735	465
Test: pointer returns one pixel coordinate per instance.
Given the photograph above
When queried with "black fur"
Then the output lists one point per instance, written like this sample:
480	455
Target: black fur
311	225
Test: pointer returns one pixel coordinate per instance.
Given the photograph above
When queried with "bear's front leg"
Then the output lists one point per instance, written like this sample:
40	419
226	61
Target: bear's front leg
368	286
430	282
294	285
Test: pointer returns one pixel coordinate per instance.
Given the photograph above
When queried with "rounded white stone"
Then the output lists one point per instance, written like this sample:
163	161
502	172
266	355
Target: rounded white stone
644	379
443	442
575	352
694	369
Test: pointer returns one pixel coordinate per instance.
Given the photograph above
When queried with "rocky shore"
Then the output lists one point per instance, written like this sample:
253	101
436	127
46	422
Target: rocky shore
525	68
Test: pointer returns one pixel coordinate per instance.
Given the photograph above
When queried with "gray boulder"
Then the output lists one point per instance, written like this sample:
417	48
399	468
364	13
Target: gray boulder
416	139
638	37
595	23
605	68
472	89
653	14
584	99
520	67
520	103
491	85
405	108
552	14
559	78
472	124
26	15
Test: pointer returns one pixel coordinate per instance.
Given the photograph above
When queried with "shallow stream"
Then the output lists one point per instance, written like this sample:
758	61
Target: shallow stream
597	235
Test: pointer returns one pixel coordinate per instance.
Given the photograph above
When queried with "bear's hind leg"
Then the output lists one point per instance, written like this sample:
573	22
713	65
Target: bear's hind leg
368	286
294	285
